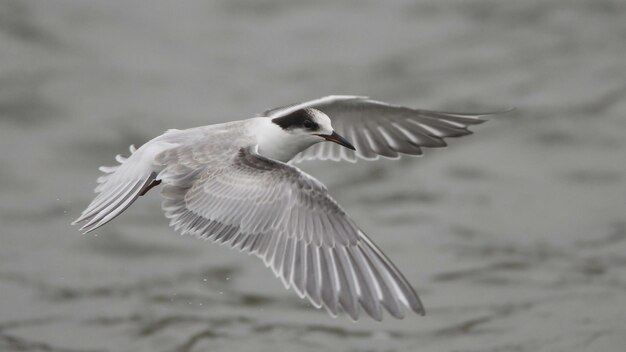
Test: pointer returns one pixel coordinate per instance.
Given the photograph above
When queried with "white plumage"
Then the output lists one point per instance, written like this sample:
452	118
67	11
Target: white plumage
229	183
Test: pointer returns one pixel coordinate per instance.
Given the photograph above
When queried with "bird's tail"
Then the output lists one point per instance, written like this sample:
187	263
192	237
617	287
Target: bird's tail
119	187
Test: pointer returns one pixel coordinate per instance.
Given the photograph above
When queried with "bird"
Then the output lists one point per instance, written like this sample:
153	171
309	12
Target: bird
236	183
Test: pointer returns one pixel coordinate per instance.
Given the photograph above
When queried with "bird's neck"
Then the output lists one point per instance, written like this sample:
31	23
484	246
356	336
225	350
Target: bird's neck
277	144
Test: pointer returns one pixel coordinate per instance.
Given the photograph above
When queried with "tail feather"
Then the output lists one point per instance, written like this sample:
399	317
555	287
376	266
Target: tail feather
115	205
100	203
118	188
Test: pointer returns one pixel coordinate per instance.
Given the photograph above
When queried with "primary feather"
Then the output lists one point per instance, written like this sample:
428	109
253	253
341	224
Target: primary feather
219	185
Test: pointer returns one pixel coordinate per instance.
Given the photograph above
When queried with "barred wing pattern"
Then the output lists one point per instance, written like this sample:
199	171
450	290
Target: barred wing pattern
285	217
380	129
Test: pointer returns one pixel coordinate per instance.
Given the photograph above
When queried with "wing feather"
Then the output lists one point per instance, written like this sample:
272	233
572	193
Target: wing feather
286	218
380	129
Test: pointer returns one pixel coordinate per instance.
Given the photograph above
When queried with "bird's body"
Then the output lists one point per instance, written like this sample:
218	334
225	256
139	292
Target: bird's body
231	183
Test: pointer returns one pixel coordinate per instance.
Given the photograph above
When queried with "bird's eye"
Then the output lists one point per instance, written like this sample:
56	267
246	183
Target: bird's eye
308	124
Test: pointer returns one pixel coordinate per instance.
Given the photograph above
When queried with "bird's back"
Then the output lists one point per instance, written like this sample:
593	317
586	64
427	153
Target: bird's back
211	140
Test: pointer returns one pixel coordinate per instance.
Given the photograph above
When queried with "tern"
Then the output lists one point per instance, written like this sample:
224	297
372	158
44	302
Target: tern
235	183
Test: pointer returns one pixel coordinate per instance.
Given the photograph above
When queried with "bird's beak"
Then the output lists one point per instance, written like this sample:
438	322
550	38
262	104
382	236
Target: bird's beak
336	138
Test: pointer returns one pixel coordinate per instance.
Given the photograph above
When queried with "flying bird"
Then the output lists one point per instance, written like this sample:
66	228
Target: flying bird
235	183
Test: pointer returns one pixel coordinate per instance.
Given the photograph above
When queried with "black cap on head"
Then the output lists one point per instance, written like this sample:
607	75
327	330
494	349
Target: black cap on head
302	118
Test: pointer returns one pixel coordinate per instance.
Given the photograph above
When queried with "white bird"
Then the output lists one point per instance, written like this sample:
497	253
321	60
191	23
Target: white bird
232	183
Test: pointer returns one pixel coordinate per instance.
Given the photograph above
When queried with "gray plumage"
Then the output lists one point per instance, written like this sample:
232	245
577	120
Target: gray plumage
380	129
228	184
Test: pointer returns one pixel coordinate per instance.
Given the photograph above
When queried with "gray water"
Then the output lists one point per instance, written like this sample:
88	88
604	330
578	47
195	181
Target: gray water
515	237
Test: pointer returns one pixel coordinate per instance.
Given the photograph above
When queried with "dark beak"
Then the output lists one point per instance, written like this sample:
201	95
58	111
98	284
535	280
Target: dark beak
337	139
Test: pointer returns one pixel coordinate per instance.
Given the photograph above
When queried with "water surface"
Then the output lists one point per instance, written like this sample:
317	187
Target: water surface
515	237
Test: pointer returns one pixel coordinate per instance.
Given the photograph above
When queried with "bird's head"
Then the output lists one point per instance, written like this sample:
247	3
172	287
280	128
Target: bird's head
312	125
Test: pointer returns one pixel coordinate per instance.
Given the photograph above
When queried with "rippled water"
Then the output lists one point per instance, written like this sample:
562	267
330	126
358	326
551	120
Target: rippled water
514	237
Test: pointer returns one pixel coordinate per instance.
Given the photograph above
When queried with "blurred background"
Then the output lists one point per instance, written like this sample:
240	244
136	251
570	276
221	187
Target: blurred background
515	237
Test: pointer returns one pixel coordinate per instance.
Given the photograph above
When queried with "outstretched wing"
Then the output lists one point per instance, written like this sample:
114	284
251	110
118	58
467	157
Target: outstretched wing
285	217
380	129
